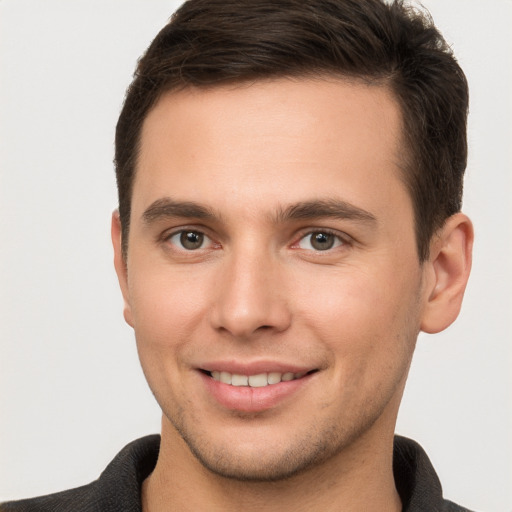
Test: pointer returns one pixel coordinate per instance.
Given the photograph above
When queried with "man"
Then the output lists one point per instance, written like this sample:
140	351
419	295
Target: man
290	179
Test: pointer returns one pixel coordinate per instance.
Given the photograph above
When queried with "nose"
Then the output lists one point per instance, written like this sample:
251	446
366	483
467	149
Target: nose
251	296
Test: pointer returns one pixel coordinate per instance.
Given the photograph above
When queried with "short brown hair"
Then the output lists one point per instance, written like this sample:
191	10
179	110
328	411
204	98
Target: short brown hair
211	42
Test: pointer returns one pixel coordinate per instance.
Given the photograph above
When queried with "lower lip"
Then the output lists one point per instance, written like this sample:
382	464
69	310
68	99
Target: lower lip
248	399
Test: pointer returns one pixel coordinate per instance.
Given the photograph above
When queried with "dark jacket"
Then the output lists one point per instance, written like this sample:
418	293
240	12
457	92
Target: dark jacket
118	488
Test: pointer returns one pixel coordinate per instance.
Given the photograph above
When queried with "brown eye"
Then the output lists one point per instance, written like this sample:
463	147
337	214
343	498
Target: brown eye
320	241
189	240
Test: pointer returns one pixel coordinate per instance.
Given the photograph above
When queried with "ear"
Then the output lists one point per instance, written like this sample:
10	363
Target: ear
120	265
449	265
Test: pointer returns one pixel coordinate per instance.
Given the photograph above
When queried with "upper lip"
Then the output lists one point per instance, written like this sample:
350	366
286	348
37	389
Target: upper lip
254	368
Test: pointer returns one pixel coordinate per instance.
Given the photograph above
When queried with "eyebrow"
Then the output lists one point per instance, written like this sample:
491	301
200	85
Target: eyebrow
167	208
325	208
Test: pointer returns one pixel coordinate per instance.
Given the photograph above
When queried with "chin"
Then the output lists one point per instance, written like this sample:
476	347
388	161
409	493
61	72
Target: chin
260	467
262	459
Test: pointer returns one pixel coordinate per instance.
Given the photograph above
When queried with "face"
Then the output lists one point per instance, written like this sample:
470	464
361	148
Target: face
272	277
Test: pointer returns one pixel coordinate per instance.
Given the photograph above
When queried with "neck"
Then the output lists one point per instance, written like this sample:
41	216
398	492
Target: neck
358	478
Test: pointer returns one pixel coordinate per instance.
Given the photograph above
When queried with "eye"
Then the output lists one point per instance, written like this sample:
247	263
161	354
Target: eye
320	241
190	240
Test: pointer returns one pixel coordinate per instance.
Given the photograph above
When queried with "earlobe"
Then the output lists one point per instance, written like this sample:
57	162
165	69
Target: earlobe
449	266
120	265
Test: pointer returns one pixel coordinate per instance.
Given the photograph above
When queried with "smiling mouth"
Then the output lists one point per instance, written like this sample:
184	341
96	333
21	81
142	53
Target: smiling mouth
255	381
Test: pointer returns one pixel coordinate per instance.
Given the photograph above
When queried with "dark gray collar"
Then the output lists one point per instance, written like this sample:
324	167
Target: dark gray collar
118	488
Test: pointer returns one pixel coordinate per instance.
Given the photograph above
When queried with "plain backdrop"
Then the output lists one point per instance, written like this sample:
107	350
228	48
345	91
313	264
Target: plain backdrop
71	390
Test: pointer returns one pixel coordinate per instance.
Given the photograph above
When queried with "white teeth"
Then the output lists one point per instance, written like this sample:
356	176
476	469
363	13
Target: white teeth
239	380
274	378
255	381
224	377
258	381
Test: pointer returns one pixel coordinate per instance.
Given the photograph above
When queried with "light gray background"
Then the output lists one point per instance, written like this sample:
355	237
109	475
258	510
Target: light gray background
71	391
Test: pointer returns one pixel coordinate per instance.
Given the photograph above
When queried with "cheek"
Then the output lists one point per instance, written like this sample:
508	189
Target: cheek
160	293
166	309
363	316
164	319
343	298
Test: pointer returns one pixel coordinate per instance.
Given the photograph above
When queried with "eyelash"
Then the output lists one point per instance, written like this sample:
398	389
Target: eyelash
167	238
340	240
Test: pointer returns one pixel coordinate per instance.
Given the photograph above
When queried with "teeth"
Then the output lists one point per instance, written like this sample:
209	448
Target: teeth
225	377
274	378
239	380
255	381
258	381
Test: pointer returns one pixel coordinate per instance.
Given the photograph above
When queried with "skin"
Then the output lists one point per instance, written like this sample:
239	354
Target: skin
257	293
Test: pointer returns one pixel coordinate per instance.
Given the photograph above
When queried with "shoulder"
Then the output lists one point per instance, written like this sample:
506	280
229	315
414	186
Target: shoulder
81	498
453	507
116	490
416	480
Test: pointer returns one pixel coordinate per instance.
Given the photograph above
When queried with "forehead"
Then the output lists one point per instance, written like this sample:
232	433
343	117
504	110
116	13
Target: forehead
281	139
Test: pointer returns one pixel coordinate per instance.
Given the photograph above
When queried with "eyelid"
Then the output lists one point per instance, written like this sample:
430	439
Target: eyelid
166	236
342	237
